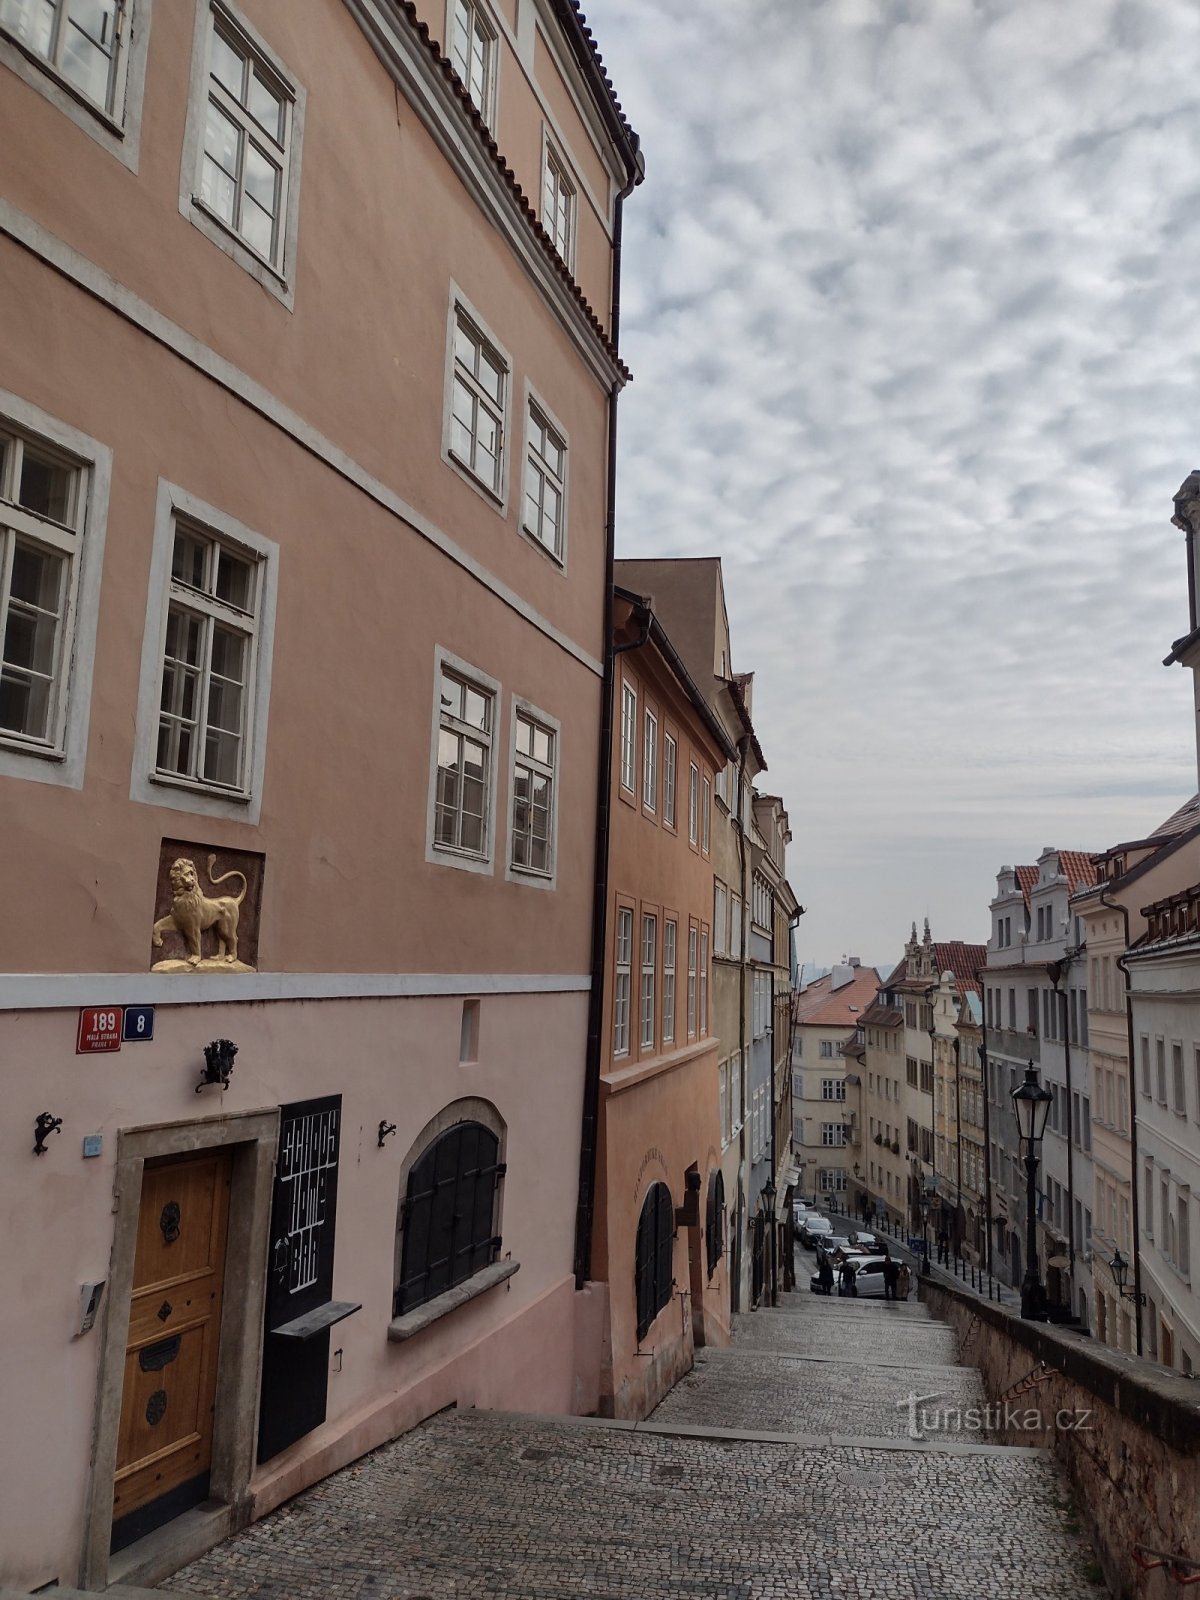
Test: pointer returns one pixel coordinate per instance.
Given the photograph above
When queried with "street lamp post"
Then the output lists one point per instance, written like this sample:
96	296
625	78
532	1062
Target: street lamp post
768	1195
1031	1101
1119	1268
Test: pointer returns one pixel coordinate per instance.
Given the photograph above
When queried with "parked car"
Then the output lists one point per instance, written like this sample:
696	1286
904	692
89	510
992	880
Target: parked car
813	1228
830	1242
862	1240
800	1210
868	1277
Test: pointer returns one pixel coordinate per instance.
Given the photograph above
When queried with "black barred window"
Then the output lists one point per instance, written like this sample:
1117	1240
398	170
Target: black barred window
449	1214
714	1226
655	1237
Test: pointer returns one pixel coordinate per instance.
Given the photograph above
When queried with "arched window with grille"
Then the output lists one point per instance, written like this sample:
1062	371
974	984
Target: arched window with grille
448	1216
655	1239
714	1222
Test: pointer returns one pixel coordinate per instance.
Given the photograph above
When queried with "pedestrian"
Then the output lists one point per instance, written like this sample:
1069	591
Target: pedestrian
891	1271
846	1283
825	1274
943	1247
903	1282
869	1213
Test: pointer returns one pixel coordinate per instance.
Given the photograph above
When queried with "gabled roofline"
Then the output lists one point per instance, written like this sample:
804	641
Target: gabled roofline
658	635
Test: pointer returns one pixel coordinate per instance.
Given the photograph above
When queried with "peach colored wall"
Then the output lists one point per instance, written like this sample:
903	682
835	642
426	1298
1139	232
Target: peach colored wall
660	1110
347	885
390	1058
362	356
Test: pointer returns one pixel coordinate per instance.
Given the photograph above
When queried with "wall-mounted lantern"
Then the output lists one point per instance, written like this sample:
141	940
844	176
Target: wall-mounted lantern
386	1129
218	1063
45	1125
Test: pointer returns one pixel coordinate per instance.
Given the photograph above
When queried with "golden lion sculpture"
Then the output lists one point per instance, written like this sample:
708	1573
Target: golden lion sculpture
192	913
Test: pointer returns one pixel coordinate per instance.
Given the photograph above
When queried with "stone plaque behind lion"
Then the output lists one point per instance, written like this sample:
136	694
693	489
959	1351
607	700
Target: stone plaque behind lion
176	952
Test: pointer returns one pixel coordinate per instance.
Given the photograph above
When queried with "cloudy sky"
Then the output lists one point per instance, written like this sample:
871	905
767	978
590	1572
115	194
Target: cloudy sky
911	295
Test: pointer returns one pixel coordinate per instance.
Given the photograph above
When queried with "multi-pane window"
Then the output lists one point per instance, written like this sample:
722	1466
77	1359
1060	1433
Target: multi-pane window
545	483
621	982
1180	1088
479	388
465	723
628	736
533	796
558	207
81	40
833	1089
205	702
735	1092
735	926
449	1214
706	816
833	1133
650	761
693	803
42	507
693	936
719	917
1145	1056
703	982
670	757
649	962
474	54
1160	1070
245	153
670	931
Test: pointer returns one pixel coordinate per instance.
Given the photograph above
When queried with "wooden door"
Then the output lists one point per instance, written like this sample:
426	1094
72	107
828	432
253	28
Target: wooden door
164	1448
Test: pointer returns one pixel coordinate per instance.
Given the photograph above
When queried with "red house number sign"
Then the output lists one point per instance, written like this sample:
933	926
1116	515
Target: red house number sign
99	1029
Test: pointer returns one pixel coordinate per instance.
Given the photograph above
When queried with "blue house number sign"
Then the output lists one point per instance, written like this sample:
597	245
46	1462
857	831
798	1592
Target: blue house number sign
139	1023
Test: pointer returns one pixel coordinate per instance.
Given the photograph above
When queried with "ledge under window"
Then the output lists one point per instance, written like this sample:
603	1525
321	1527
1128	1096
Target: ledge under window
420	1318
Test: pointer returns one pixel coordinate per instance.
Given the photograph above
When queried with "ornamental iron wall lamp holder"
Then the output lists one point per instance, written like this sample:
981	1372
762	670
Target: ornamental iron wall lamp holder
46	1124
1119	1268
386	1129
218	1064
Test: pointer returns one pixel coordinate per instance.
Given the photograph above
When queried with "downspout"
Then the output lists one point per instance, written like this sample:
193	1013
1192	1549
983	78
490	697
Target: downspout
1055	971
588	1139
1134	1175
986	1074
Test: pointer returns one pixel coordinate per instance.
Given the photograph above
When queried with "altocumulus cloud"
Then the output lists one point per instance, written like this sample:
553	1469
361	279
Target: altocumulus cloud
908	297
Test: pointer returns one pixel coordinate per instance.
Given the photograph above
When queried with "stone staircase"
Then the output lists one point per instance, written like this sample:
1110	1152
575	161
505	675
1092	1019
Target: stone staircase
782	1467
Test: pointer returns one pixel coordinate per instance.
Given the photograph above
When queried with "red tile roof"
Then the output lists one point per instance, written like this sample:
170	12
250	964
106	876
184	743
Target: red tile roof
963	960
1078	868
1027	878
821	1006
481	127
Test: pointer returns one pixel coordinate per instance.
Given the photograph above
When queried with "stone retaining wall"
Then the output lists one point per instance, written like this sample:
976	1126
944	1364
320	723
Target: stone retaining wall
1127	1432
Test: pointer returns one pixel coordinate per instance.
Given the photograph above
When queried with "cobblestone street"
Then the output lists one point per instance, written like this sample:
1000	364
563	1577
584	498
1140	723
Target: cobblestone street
840	1502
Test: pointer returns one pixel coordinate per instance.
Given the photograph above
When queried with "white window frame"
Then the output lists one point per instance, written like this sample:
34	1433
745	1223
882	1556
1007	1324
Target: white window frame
629	733
533	877
705	816
647	988
735	1093
670	956
702	1004
735	926
442	855
670	770
560	195
148	785
723	1095
117	129
539	416
693	950
491	85
693	803
649	760
59	758
461	310
277	275
622	980
720	918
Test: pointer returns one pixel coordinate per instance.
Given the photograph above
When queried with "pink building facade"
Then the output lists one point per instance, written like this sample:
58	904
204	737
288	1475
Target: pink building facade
306	396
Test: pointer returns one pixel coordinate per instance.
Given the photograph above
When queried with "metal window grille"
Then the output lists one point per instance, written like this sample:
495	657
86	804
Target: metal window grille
449	1214
714	1222
655	1239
